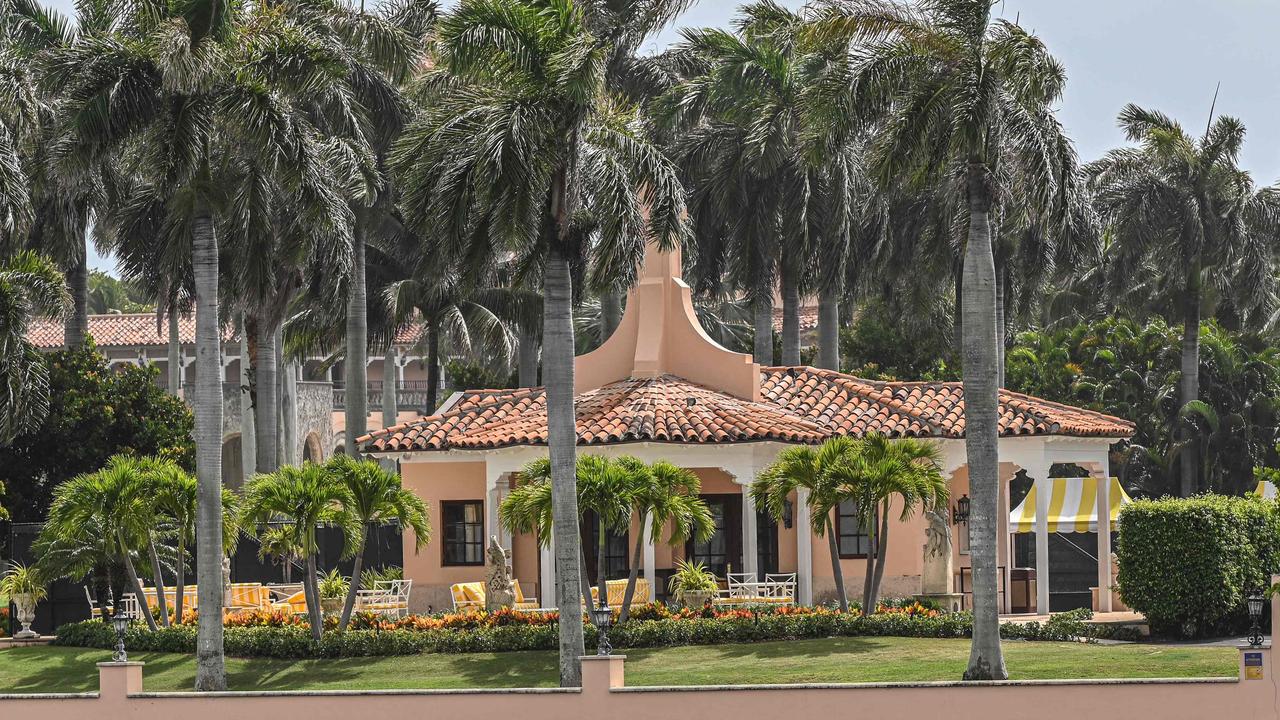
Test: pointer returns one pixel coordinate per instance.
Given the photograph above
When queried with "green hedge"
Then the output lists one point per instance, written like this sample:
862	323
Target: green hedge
296	642
1188	563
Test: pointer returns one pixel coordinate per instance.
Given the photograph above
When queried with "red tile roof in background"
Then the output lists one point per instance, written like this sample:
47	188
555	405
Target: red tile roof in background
139	329
808	318
799	405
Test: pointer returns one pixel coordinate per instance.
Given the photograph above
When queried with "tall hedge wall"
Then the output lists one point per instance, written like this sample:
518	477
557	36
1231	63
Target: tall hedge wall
1187	563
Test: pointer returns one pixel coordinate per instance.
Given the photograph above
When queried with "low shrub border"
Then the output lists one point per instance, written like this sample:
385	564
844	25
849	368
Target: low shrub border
738	626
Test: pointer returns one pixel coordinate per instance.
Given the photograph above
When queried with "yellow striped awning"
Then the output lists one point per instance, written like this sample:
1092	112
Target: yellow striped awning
1265	490
1073	506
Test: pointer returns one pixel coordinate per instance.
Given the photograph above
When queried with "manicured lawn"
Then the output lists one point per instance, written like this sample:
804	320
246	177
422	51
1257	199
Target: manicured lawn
53	669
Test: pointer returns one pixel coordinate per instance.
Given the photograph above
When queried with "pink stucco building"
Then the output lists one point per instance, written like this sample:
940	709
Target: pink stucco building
660	388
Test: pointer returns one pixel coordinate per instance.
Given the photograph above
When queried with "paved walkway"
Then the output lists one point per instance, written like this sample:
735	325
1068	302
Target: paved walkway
1109	618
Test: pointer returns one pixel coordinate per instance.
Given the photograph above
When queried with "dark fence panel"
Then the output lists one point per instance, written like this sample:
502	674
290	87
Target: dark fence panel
67	601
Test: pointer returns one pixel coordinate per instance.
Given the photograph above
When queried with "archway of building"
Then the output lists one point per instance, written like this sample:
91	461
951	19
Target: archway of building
232	462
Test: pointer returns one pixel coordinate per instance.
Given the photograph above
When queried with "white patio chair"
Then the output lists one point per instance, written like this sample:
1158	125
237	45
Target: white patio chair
780	587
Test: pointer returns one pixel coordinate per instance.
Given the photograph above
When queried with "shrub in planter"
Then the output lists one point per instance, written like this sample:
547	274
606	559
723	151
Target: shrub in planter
1187	563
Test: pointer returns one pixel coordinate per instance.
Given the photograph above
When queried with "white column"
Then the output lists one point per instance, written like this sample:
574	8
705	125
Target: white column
649	558
1004	543
493	496
804	549
1104	536
1044	489
547	576
750	556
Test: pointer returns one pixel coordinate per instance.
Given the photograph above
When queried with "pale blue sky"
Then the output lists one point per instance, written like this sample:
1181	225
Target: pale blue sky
1163	54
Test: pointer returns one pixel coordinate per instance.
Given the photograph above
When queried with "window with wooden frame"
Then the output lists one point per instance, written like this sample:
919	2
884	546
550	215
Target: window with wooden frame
463	522
851	538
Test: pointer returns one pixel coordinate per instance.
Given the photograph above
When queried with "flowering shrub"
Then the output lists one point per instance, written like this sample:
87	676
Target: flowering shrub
4	622
281	636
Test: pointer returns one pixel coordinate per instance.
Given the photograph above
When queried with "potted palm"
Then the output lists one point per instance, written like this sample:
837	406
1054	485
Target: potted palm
333	590
25	588
691	585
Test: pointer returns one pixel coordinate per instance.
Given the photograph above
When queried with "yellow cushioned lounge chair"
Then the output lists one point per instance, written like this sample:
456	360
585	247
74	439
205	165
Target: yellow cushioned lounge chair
618	590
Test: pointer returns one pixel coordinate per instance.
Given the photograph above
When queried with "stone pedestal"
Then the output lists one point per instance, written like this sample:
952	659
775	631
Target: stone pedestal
938	569
949	602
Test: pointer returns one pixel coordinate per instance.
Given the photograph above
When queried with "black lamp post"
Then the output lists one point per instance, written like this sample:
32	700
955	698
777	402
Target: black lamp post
961	512
1255	616
602	618
120	621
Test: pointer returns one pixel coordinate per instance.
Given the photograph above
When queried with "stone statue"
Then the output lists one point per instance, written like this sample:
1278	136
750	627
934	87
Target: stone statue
936	575
499	591
226	580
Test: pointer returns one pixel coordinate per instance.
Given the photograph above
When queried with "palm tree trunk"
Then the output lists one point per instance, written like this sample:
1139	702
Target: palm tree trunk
357	413
584	580
882	551
76	328
790	320
354	589
869	574
633	574
602	564
986	659
180	580
1000	328
248	433
174	354
210	667
311	592
528	370
610	313
135	582
267	418
837	572
390	411
157	576
433	367
562	437
763	329
1189	383
829	329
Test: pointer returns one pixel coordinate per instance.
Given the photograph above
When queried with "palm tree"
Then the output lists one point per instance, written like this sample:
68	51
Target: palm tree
172	90
114	502
30	287
377	498
807	468
521	147
304	498
1183	207
666	496
604	487
881	473
959	95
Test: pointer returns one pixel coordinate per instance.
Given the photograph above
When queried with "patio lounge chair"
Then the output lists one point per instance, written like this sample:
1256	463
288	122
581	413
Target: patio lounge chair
470	596
618	590
386	597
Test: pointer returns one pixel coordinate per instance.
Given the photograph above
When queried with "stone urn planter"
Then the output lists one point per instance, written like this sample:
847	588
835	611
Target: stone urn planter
331	606
26	604
696	598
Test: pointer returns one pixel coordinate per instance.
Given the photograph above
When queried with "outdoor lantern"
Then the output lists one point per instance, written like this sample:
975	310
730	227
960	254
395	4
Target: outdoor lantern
1255	616
602	618
120	621
788	514
961	512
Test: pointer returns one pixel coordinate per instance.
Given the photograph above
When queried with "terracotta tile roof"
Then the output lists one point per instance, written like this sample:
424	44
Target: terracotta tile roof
799	405
130	329
808	318
846	405
662	409
115	330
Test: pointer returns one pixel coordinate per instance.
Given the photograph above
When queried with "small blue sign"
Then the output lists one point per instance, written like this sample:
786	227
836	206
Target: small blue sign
1253	659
